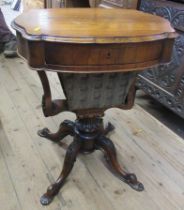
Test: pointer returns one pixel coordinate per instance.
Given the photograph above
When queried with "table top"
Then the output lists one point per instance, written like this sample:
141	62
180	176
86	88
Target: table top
93	40
92	25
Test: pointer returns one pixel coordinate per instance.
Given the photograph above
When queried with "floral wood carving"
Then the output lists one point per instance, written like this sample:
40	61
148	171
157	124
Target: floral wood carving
166	82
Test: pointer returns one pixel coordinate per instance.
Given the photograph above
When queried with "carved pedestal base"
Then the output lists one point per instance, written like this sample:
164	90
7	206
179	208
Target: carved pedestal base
88	135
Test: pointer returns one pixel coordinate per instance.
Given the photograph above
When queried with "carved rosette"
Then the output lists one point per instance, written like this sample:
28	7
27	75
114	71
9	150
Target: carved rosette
166	82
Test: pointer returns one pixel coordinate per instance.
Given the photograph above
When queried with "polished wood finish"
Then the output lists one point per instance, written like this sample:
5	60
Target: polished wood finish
92	26
93	40
86	41
89	135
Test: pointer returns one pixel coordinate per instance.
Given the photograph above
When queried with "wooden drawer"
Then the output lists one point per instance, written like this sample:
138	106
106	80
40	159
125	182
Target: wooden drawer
102	54
94	57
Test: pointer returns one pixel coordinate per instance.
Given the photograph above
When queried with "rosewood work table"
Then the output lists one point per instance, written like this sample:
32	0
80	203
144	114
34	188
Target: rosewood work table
96	54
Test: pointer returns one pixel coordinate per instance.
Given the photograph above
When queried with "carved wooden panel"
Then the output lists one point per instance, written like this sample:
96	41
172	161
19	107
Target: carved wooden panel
166	82
172	11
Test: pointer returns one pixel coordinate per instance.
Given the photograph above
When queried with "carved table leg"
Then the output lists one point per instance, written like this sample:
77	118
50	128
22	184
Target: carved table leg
109	148
69	161
89	134
66	128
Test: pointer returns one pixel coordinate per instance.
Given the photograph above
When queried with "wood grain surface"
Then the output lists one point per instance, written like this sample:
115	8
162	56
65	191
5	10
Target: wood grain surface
92	25
93	40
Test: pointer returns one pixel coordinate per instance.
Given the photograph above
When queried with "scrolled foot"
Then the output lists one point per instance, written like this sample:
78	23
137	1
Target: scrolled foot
45	199
66	128
131	180
111	158
137	186
44	132
69	161
52	190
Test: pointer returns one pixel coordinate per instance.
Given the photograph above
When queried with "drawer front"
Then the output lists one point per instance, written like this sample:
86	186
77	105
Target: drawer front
102	54
172	11
94	57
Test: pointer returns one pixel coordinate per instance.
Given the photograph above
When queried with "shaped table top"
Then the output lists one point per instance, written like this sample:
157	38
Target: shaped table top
93	40
92	25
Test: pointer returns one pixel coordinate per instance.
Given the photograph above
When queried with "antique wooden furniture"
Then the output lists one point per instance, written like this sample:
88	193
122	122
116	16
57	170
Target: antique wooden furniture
165	82
97	62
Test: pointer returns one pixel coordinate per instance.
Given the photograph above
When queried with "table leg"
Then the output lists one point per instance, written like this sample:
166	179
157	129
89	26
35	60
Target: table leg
111	157
69	161
66	128
89	135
